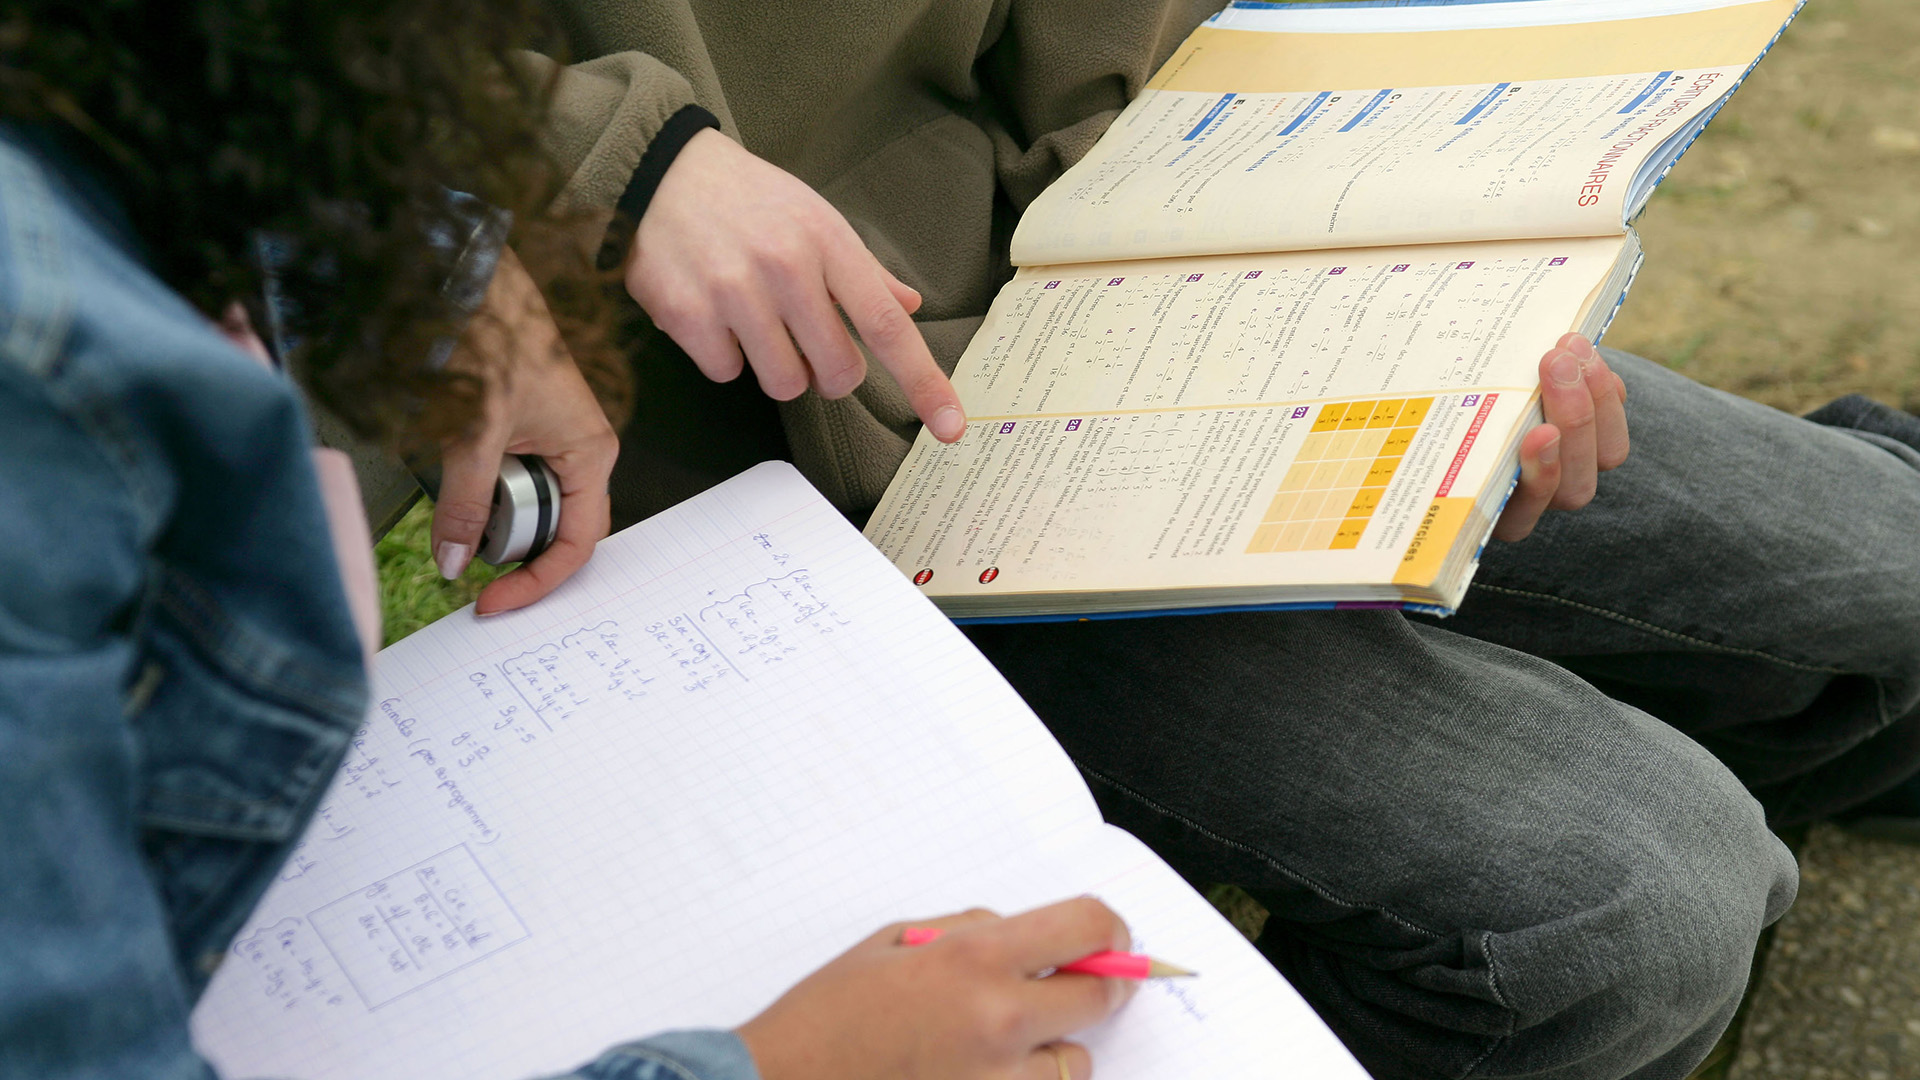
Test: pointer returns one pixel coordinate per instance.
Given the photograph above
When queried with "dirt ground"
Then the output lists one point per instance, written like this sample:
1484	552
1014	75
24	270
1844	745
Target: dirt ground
1839	997
1783	253
1783	264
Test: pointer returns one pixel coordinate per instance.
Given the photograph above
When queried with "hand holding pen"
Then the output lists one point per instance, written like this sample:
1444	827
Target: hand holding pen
991	999
1106	963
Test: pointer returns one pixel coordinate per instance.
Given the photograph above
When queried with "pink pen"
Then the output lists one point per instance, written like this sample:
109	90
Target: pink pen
1108	964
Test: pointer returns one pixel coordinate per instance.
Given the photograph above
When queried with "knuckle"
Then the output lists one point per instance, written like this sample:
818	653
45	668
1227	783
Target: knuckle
1602	384
844	371
672	315
1573	496
732	284
1579	418
818	217
676	314
1093	921
720	365
976	950
883	325
784	384
1514	531
1097	998
462	514
925	382
997	1021
782	257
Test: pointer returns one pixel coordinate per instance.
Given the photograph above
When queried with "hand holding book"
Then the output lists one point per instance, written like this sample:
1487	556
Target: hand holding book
1585	434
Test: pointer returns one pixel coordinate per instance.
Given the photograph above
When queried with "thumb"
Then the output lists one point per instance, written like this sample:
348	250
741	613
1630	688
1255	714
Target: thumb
468	473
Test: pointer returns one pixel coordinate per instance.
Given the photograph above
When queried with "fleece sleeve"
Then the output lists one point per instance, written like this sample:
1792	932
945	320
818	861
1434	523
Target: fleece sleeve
602	117
1061	71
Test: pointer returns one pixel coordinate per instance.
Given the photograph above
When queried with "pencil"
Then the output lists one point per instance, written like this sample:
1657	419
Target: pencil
1107	964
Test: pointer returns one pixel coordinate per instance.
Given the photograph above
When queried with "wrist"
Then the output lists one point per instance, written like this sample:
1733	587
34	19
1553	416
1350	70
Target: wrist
672	138
763	1050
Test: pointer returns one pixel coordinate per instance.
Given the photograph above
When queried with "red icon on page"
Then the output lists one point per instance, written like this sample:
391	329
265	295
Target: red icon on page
989	574
923	577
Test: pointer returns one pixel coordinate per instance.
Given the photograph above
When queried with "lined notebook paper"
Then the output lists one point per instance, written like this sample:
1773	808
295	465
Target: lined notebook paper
733	745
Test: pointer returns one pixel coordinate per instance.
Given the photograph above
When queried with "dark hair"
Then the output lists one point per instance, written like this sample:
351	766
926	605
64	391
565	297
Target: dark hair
338	125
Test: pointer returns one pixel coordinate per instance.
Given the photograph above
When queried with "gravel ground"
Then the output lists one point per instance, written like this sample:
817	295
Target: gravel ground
1784	265
1840	994
1783	254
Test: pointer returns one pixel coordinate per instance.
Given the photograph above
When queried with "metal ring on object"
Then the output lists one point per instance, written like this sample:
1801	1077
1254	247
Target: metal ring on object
526	511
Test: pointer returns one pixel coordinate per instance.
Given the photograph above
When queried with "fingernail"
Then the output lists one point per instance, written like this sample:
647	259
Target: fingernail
948	424
452	558
1565	369
1550	453
1584	349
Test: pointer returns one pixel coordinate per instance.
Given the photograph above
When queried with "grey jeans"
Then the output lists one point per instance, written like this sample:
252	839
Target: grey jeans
1530	840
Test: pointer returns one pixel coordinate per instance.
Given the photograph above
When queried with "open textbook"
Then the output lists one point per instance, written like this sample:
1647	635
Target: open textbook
1274	340
730	747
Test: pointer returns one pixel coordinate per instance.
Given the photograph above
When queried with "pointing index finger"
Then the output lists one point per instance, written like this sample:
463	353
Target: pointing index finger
855	278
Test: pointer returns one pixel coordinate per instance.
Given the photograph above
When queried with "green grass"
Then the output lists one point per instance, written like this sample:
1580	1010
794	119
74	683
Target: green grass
412	593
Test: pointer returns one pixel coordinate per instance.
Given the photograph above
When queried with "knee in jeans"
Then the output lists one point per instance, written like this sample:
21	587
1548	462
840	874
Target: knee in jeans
1656	943
1648	925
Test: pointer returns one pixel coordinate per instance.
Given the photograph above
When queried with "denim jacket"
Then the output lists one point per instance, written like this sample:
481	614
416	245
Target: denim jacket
179	672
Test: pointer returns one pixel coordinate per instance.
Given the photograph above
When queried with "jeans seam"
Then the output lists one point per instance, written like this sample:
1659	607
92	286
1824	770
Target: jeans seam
1493	983
1661	631
1319	890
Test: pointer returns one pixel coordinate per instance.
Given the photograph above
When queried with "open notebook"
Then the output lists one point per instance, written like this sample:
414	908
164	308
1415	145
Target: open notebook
731	746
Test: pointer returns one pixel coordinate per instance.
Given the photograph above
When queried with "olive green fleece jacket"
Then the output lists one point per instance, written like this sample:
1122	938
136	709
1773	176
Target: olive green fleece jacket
930	124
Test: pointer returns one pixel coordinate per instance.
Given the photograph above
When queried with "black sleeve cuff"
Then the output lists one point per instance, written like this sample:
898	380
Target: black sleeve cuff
674	135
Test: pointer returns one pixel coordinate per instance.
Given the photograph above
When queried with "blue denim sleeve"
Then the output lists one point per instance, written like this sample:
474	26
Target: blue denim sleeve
708	1054
89	985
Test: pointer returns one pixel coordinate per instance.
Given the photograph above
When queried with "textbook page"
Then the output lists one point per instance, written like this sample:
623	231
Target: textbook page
731	746
1277	128
1225	421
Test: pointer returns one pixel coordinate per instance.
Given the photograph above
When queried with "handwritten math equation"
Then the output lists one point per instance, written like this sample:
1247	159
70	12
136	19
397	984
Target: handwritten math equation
387	939
730	638
726	636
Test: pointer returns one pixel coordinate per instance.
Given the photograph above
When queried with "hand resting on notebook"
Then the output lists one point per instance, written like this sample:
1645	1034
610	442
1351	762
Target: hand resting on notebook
1584	436
966	1007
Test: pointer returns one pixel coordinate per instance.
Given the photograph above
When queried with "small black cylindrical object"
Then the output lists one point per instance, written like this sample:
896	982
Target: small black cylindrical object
526	511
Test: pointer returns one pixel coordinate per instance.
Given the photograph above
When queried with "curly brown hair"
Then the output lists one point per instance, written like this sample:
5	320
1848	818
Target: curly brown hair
338	126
